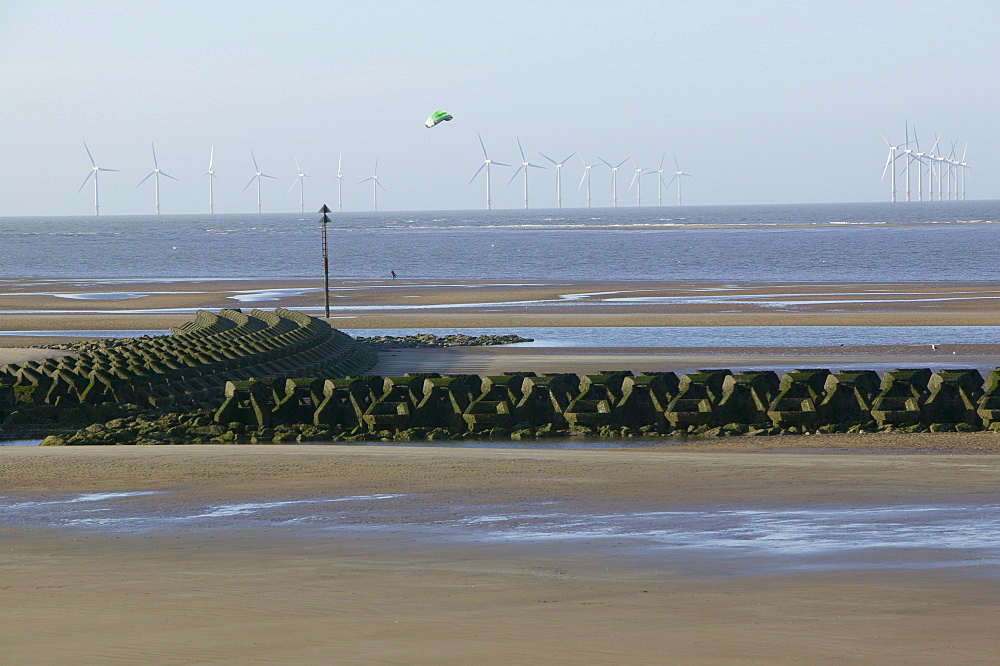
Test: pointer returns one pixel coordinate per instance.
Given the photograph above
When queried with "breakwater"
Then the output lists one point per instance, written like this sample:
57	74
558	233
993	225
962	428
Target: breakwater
284	376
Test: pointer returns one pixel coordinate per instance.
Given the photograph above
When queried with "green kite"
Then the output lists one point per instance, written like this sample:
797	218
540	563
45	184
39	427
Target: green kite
437	117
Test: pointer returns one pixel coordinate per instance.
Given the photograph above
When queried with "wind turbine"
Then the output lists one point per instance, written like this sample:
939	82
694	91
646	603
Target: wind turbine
559	166
932	161
678	176
909	158
964	167
892	171
375	184
614	179
211	177
257	176
300	180
94	169
586	177
486	165
637	181
340	185
918	157
659	181
155	173
525	165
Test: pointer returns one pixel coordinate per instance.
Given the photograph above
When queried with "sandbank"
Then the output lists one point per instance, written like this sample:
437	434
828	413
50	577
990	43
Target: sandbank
413	303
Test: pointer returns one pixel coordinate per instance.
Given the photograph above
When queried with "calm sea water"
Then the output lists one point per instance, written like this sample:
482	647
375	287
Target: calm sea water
829	242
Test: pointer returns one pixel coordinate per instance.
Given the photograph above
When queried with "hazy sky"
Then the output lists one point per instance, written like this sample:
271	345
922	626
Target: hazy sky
763	102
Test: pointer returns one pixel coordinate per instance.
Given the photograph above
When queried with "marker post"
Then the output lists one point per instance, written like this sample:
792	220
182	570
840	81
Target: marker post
326	260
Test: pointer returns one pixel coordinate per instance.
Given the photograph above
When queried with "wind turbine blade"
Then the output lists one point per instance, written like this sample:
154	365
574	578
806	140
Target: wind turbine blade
885	139
255	167
634	176
888	161
672	180
535	166
500	164
155	165
520	149
340	160
163	173
965	151
565	159
249	184
915	139
145	179
582	178
298	169
85	181
481	167
605	161
550	159
92	162
264	175
375	172
483	145
676	165
211	158
662	157
362	182
294	183
377	182
103	169
623	162
515	174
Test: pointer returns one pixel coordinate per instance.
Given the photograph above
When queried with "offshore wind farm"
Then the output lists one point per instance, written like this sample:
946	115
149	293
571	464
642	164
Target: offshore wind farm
941	168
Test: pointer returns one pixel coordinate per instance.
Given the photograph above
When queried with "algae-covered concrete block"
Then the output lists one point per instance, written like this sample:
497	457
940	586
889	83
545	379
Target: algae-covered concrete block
901	399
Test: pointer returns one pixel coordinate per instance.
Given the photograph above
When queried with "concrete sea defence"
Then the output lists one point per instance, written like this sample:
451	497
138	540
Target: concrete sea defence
232	377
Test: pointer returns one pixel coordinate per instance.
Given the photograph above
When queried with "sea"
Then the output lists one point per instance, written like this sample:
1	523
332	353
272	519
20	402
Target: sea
858	242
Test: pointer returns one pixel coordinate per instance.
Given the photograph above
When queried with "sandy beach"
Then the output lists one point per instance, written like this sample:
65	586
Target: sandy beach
387	593
150	578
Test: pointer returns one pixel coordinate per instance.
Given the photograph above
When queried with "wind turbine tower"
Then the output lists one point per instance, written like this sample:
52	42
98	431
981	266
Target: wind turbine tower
486	165
918	157
909	158
964	168
889	161
375	185
637	181
525	165
155	173
257	176
340	185
586	177
94	170
659	181
211	177
300	181
614	179
559	166
678	176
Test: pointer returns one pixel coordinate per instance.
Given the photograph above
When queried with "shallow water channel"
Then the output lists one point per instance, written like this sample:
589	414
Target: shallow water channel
722	540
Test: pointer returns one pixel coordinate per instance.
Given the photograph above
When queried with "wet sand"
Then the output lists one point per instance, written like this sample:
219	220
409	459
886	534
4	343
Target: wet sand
386	596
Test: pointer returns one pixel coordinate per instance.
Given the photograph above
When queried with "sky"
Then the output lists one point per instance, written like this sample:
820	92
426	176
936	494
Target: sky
761	102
